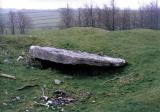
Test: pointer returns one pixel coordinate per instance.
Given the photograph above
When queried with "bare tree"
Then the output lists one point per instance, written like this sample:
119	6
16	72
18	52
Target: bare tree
154	14
12	21
141	15
91	15
113	14
67	15
86	18
149	15
98	17
134	19
88	15
79	17
107	18
113	18
126	19
2	25
23	22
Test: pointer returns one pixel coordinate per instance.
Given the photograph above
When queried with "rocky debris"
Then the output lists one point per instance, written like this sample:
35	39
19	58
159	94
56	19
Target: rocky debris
60	99
69	57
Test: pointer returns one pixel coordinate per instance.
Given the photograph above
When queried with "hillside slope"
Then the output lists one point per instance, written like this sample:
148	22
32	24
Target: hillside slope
136	89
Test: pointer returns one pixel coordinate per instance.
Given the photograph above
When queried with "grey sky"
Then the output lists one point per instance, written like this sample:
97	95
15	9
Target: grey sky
54	4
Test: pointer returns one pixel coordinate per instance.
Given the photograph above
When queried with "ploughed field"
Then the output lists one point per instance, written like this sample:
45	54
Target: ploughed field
133	88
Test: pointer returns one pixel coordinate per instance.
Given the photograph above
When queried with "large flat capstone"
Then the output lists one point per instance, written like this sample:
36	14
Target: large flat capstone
63	56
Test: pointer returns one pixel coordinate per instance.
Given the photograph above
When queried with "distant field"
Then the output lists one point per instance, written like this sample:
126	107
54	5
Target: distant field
137	89
39	18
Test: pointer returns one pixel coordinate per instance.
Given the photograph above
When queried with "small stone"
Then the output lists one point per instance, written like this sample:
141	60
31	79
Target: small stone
49	102
18	98
6	61
44	98
4	104
62	110
6	92
23	53
57	82
93	101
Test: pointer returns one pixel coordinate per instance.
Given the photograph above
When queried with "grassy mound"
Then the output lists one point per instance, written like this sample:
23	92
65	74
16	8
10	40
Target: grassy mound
136	89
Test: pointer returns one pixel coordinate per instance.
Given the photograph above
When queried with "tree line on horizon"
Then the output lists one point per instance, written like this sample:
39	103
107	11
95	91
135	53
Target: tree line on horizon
111	17
15	20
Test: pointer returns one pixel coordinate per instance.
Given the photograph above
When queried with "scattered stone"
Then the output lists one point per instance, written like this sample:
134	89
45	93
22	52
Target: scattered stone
57	82
93	101
4	104
50	103
63	56
62	110
18	98
44	98
6	61
6	92
59	100
23	53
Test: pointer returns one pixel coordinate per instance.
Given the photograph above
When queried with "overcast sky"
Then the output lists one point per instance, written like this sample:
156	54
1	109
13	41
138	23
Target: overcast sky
54	4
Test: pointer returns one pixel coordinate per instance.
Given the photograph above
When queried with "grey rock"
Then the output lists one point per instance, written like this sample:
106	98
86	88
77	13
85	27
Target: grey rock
17	98
57	82
5	104
63	56
6	61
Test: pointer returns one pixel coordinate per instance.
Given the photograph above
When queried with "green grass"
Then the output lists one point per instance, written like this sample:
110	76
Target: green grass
137	91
